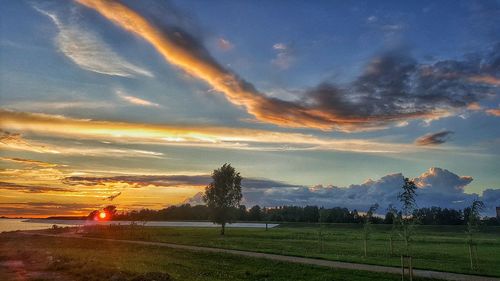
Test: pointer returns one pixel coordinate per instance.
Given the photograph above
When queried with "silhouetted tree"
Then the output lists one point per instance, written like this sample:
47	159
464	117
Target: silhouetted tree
242	213
438	216
255	213
93	215
110	211
223	195
311	214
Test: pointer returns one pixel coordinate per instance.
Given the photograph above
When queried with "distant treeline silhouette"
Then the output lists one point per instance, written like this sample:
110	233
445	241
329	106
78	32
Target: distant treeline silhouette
308	214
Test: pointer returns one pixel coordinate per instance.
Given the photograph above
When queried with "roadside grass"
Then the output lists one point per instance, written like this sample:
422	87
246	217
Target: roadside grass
440	248
109	260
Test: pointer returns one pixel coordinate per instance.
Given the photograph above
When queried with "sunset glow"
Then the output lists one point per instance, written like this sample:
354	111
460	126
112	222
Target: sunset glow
107	102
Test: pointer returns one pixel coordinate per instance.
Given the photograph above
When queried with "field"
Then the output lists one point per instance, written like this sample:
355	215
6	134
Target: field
440	248
56	258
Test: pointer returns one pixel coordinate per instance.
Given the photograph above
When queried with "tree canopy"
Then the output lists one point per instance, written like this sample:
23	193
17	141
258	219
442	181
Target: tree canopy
223	194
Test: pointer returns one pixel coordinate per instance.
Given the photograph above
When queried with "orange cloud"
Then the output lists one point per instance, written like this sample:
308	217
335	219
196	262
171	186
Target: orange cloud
493	111
175	50
29	162
486	79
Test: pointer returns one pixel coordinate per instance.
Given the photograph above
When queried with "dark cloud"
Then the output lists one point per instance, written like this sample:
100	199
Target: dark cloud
43	208
434	138
8	137
32	188
28	162
142	180
437	187
169	181
113	196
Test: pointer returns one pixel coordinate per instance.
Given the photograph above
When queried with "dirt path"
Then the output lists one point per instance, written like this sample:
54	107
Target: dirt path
309	261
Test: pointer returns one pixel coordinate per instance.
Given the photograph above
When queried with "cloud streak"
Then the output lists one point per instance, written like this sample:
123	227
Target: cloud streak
434	138
135	100
43	209
15	141
89	52
216	137
29	162
393	87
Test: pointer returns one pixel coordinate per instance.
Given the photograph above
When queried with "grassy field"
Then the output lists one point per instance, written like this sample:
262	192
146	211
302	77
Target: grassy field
64	259
439	248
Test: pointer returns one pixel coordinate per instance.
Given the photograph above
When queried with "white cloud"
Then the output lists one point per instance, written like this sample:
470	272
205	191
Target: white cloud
437	187
284	56
279	46
89	52
224	44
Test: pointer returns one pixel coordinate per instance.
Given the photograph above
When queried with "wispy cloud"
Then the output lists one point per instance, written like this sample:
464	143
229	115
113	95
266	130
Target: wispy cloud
392	88
217	137
284	56
15	141
89	52
43	209
434	138
56	105
135	100
113	196
31	188
224	44
29	162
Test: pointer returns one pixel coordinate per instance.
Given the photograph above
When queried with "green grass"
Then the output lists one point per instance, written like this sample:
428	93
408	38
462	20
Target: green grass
73	259
440	248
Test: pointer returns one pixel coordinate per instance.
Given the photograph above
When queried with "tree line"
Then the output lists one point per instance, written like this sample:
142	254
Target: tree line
307	214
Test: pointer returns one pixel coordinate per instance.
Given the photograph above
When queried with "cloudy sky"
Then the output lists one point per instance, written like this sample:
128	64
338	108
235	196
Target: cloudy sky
329	103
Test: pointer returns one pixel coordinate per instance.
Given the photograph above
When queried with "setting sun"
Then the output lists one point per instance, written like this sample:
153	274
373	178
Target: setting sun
102	215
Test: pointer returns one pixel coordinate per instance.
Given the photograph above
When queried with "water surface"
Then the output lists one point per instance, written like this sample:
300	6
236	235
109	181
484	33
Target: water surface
35	224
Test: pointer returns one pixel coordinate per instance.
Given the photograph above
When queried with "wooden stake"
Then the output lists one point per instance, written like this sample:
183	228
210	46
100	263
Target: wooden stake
390	242
402	269
411	270
470	256
365	248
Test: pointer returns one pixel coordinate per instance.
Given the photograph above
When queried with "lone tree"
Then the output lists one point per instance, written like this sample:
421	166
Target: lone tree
392	217
223	195
367	228
407	199
473	218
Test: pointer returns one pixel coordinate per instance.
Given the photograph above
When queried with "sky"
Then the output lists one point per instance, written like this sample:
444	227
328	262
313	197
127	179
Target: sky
329	103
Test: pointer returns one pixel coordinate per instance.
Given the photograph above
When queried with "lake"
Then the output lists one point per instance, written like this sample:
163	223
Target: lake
35	224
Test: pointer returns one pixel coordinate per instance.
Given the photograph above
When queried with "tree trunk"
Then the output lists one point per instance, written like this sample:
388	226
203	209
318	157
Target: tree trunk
391	246
470	256
406	241
365	248
223	228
